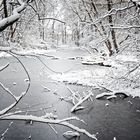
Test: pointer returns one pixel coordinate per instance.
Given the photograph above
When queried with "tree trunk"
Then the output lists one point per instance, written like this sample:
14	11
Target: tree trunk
5	8
113	35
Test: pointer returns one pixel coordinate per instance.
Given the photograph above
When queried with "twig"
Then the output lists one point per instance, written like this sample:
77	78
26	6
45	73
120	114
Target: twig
81	101
4	67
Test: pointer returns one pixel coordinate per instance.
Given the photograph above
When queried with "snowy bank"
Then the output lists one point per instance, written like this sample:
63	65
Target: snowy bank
122	76
81	77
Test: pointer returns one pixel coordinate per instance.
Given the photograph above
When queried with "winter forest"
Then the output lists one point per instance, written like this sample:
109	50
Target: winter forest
69	69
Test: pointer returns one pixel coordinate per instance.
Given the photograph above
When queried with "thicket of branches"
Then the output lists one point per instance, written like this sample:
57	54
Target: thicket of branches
90	23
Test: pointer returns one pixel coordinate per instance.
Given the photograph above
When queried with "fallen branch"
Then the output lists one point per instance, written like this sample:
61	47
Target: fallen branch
48	121
81	101
4	67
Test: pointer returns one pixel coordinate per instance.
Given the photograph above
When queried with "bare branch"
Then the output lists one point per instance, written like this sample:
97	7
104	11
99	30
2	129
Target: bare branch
46	18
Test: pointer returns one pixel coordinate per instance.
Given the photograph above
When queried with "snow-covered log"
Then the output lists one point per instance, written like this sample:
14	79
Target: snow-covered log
81	101
4	23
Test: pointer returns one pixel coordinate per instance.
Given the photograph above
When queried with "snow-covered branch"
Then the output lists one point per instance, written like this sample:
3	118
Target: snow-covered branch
125	27
113	11
81	101
48	121
4	23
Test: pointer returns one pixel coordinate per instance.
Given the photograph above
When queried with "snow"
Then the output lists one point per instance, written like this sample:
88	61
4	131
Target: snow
4	54
126	58
93	59
117	77
81	77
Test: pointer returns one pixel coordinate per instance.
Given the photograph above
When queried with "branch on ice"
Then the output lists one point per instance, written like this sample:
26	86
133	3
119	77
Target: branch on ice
12	105
48	121
4	23
8	91
4	67
81	101
71	134
17	99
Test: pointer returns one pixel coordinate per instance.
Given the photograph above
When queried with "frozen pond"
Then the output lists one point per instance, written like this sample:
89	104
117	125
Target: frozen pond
118	119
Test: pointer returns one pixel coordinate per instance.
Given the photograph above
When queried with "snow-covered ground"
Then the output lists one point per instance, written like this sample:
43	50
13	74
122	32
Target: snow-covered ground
122	76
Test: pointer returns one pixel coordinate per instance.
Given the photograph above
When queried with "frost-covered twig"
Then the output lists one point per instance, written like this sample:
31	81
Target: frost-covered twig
81	101
4	67
48	121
